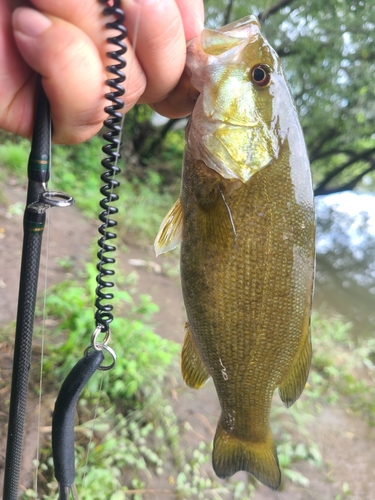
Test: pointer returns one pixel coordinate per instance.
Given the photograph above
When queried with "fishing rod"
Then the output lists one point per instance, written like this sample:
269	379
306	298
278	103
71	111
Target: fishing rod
39	199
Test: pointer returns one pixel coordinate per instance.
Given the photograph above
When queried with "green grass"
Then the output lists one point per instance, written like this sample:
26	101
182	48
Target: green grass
143	207
143	357
15	155
77	169
343	368
342	376
128	393
142	204
137	431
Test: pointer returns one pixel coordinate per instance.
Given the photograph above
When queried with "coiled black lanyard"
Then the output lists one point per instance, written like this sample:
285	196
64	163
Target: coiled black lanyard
39	199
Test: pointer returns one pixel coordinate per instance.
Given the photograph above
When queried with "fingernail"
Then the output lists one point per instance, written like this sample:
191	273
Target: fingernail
30	22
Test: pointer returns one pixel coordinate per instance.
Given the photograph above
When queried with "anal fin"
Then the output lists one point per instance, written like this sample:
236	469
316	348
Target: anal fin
193	369
292	386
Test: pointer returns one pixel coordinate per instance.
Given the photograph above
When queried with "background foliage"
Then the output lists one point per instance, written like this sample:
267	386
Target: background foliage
328	52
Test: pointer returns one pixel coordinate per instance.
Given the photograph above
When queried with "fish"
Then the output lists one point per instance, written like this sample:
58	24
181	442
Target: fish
245	220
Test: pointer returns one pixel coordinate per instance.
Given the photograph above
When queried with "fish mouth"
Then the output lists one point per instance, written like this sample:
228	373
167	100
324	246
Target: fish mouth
217	41
225	43
245	28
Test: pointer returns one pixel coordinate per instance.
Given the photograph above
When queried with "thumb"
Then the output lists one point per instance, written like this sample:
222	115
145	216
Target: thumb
72	72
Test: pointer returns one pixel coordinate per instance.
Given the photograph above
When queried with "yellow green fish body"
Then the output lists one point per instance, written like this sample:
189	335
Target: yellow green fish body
246	223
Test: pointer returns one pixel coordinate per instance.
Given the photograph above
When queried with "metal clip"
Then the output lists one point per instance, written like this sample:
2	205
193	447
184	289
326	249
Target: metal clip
100	346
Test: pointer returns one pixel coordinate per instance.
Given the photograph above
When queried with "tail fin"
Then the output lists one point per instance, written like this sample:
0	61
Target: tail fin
231	455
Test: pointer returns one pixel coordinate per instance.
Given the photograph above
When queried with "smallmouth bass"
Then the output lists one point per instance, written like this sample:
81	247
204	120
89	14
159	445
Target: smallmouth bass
245	219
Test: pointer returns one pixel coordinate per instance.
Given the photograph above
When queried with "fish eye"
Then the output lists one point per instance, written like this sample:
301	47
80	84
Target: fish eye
261	75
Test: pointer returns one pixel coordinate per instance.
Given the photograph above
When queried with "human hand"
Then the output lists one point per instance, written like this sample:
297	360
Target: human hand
66	45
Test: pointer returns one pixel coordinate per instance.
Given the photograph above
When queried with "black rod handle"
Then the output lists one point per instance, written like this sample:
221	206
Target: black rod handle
22	357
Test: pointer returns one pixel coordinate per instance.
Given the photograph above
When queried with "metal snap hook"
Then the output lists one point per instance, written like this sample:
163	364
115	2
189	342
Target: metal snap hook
94	337
99	346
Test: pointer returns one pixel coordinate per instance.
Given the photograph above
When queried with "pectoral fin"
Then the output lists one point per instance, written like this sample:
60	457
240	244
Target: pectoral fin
291	388
169	235
193	369
216	222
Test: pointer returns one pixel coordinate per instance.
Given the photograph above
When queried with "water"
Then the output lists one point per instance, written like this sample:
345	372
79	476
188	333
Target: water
345	281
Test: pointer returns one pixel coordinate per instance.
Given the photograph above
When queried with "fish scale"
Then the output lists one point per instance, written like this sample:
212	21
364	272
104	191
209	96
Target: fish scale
245	219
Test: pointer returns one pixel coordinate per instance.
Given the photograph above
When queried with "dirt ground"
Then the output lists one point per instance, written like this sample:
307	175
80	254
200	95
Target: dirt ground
346	443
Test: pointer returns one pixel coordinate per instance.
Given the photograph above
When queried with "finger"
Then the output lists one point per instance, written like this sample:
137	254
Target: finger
71	79
86	15
153	27
192	14
16	83
72	71
181	100
156	31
